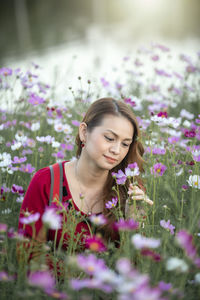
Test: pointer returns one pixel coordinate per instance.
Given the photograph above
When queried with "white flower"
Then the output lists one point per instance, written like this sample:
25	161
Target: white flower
174	263
16	146
55	144
58	127
186	123
194	181
20	137
67	129
6	211
35	126
51	219
197	278
140	242
5	159
196	152
186	114
20	199
45	139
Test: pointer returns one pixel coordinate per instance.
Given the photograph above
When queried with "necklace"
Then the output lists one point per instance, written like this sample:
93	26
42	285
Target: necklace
82	197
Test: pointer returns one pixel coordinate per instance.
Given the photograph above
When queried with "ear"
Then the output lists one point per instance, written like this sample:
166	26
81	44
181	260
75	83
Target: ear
83	131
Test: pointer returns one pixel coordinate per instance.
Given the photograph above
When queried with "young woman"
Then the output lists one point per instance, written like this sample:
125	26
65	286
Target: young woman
107	141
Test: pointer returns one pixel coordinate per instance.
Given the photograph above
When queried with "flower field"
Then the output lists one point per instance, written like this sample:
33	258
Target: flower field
159	253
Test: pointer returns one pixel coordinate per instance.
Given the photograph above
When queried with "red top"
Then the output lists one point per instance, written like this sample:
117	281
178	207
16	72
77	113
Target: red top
37	199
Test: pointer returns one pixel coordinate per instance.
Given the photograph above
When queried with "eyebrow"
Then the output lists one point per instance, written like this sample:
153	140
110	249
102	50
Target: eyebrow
127	139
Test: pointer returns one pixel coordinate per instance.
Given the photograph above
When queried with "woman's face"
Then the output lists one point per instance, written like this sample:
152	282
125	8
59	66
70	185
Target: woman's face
107	144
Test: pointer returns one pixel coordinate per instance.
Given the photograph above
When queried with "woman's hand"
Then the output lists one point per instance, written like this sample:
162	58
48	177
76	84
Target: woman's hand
138	194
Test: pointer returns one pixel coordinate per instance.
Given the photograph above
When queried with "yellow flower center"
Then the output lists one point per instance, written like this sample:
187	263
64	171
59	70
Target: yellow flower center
94	246
90	268
158	170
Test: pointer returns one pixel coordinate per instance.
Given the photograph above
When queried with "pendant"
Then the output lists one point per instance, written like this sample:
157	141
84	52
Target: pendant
89	213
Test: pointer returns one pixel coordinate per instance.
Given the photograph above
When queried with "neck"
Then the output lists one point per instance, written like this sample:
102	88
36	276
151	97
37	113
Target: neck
90	175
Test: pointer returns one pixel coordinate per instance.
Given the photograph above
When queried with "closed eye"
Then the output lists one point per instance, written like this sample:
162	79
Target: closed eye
108	139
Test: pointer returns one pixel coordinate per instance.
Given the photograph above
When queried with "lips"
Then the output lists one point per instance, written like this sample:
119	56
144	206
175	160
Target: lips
110	159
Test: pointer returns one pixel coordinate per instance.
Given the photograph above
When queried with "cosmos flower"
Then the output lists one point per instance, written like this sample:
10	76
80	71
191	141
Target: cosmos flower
30	218
51	219
112	203
167	225
17	160
6	72
3	227
158	169
194	181
90	264
95	244
175	263
98	219
17	189
42	279
185	240
120	177
141	242
132	170
126	225
5	159
28	168
35	126
35	99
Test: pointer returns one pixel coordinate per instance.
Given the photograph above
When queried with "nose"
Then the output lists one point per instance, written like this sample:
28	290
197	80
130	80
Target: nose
115	148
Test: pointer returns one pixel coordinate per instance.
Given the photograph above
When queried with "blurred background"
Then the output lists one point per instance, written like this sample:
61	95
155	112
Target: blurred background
53	32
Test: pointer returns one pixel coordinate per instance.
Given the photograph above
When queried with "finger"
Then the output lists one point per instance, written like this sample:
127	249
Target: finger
138	197
147	200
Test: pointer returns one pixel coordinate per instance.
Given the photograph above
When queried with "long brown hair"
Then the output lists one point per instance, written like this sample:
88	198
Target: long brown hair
93	118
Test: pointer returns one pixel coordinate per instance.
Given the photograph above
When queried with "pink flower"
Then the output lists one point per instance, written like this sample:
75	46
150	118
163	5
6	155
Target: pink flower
120	177
35	100
42	279
90	264
185	240
126	225
17	189
158	169
28	168
167	225
95	244
30	219
151	254
112	203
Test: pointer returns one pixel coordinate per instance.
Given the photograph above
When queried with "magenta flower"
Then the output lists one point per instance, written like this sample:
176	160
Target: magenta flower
95	244
30	219
158	169
167	225
189	133
132	170
126	225
130	101
112	203
173	139
91	283
151	254
162	114
42	279
35	100
120	177
28	168
17	189
185	240
75	123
